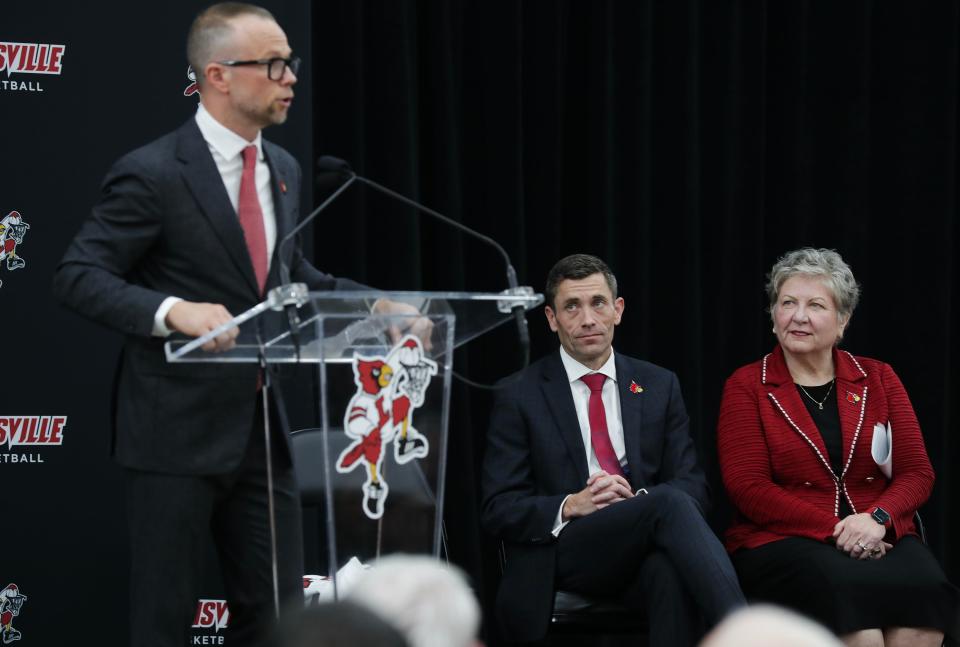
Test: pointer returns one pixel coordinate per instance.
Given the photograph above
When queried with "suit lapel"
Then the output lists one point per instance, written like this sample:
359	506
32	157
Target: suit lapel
201	176
556	392
851	400
631	415
788	399
784	396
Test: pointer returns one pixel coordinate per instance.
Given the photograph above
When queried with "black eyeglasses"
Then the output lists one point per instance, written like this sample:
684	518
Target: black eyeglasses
275	66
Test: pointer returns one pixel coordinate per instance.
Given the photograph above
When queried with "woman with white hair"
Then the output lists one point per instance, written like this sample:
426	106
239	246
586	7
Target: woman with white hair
820	525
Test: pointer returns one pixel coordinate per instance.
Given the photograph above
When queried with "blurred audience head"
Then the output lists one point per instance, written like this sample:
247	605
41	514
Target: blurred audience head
338	624
769	626
429	602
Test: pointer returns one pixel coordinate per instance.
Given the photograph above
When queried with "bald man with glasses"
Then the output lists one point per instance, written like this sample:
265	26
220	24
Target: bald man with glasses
184	236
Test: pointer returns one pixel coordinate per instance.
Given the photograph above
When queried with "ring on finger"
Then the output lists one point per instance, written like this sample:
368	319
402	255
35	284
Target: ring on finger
860	544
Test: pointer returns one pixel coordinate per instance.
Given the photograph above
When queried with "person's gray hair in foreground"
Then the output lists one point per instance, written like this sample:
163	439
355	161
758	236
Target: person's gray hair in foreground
431	603
765	625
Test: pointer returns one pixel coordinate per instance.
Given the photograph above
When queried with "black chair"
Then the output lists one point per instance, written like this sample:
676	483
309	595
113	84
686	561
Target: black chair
307	448
576	613
579	616
920	529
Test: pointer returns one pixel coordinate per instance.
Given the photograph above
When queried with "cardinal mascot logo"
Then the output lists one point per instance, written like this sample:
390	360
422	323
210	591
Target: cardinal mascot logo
193	88
11	601
12	230
389	390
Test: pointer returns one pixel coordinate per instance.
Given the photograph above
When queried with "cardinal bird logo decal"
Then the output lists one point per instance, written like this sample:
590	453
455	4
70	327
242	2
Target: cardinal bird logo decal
389	390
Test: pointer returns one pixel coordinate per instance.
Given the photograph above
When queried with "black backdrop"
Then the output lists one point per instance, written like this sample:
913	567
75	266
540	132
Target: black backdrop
687	143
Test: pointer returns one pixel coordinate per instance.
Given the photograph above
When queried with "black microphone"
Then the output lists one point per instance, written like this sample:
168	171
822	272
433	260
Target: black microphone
334	164
331	164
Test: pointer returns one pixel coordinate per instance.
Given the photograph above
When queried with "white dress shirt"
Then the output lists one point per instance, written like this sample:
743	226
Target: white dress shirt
581	402
226	147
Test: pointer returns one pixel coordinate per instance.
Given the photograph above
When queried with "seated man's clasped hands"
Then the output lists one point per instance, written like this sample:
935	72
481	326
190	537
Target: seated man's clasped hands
601	490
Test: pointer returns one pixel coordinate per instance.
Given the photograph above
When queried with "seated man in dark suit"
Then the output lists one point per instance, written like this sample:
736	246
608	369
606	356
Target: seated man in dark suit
591	481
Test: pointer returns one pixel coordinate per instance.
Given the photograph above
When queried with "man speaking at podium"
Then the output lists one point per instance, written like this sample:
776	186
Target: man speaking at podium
184	236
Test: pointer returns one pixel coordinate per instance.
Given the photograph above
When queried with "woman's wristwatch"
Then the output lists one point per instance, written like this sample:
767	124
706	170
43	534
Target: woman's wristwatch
881	516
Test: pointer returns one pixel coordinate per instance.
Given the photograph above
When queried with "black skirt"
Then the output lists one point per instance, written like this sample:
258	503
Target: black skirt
905	588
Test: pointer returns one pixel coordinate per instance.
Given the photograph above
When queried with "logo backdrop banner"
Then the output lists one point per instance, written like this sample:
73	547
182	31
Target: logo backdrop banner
80	85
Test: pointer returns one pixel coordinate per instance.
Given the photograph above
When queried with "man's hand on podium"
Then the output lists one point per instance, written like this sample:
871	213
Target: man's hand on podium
197	319
410	322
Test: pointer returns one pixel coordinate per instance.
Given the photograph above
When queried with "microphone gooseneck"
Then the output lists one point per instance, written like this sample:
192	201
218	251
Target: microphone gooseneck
292	310
330	164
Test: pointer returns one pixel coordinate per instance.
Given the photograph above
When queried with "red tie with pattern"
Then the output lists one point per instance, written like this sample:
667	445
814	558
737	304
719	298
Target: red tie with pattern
599	436
251	216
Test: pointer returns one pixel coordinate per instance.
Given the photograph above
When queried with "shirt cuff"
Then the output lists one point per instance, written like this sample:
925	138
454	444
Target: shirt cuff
160	318
558	522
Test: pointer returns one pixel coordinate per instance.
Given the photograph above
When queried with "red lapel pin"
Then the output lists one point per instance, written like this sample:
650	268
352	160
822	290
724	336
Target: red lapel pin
283	186
635	388
852	398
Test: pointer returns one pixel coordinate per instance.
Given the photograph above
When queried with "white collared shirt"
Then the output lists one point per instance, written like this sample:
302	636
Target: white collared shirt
226	147
581	402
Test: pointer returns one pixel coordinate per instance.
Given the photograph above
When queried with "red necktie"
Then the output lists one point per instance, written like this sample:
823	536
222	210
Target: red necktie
251	216
599	436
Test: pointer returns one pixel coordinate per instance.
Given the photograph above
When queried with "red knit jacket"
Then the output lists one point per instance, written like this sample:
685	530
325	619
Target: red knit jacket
775	465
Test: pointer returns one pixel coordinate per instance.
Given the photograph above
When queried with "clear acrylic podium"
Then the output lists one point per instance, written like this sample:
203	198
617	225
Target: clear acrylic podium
378	460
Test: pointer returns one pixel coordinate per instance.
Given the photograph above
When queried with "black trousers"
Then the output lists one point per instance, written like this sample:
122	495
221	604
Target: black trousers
172	517
656	553
906	588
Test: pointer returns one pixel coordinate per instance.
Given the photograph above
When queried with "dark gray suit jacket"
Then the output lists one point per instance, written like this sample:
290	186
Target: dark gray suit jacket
164	226
535	457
